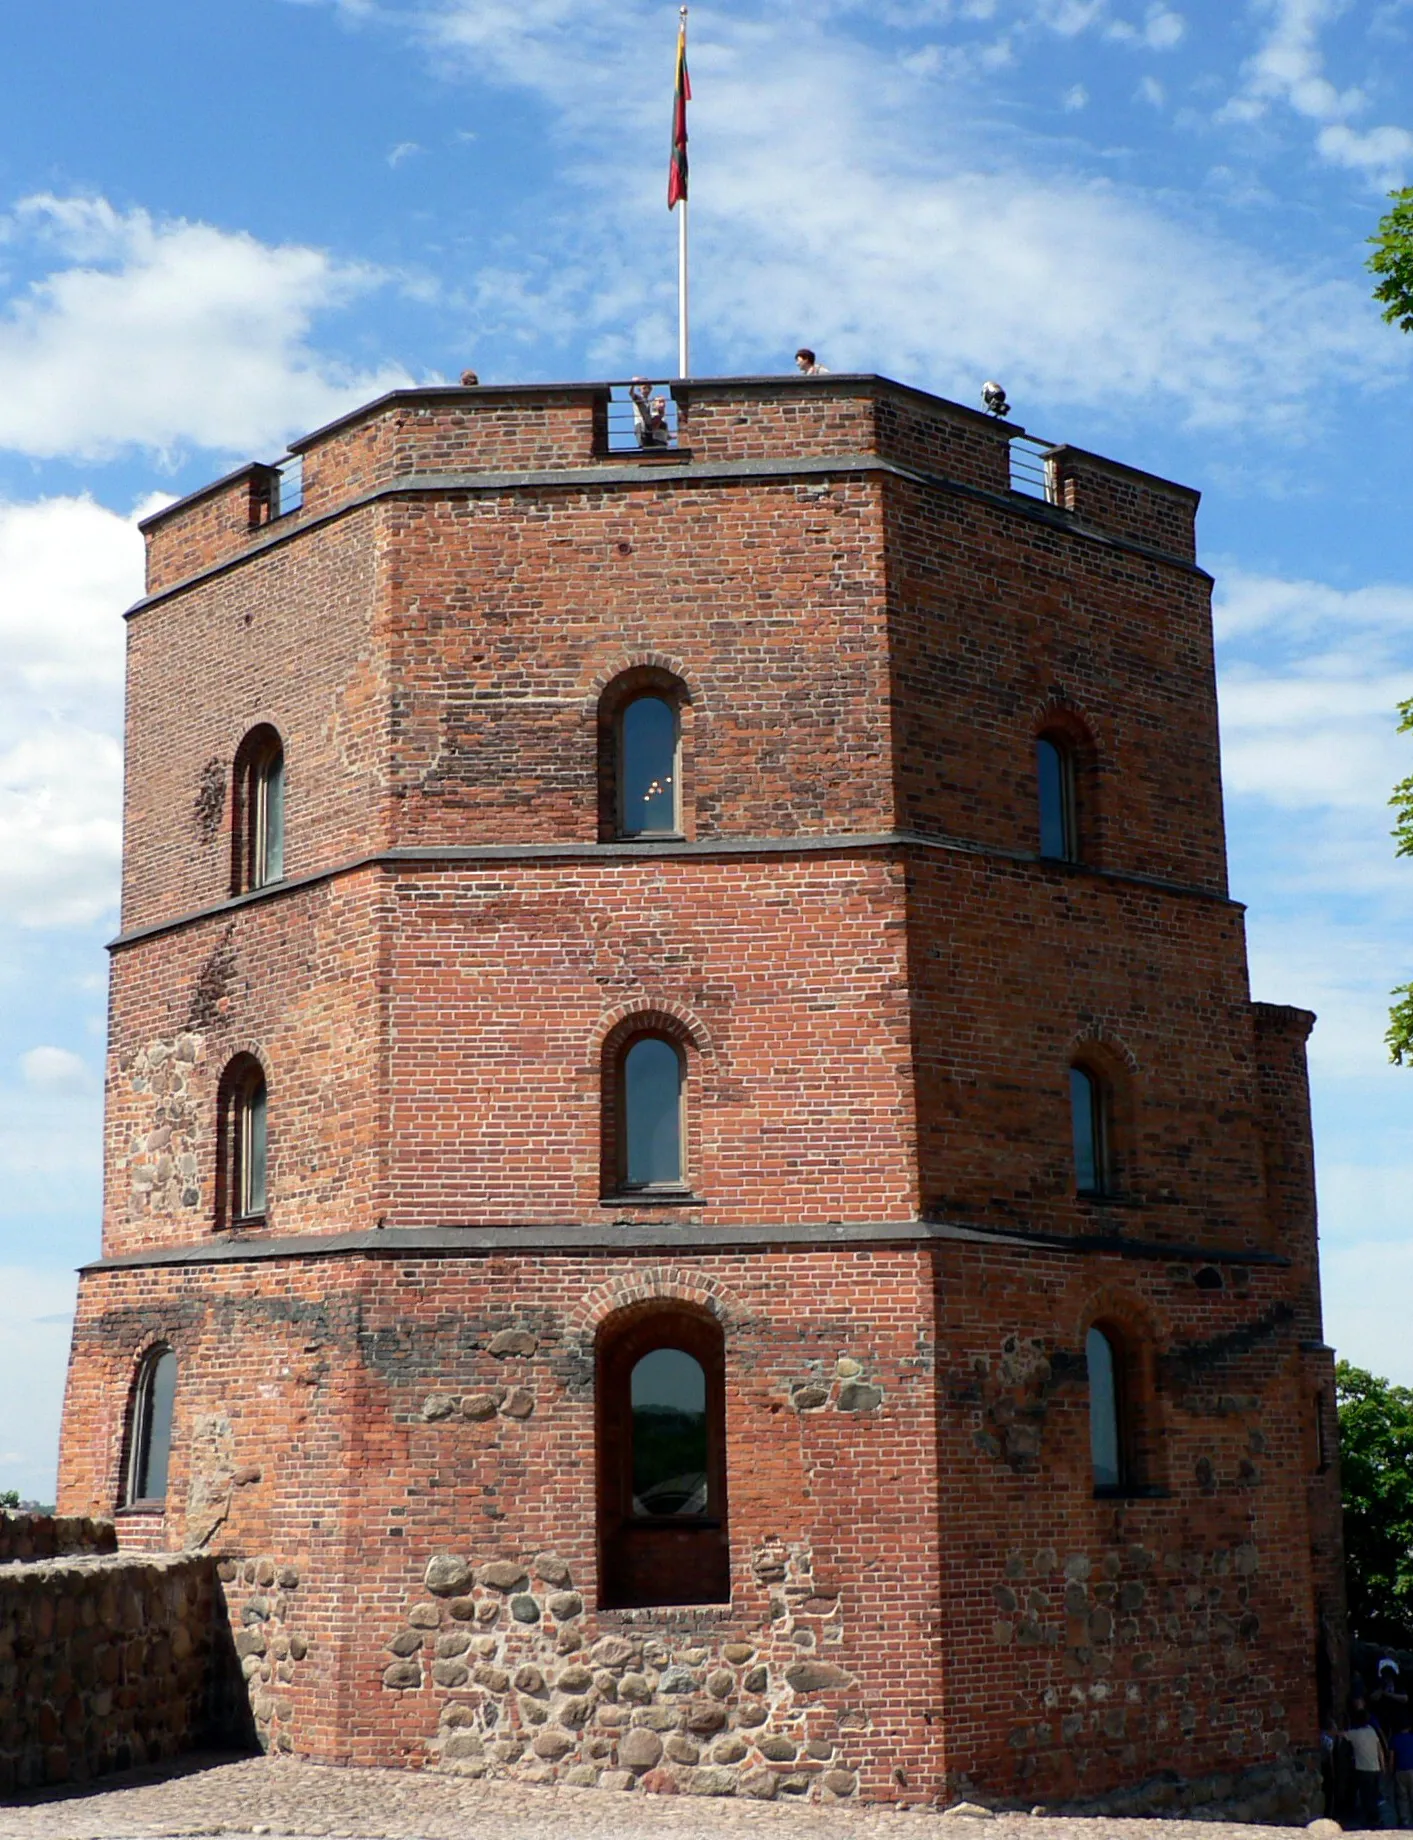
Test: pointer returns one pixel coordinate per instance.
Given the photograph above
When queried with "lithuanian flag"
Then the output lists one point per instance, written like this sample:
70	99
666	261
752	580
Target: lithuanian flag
682	95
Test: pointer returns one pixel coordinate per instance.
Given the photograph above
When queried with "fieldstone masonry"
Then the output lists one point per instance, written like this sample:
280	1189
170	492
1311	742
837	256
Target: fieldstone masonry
526	1686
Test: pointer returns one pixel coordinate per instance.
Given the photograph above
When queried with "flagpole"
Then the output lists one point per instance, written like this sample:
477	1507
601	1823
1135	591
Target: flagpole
683	340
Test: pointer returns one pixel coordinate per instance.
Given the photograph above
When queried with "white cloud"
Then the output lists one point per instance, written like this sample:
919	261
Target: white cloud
1289	67
1161	30
68	568
851	197
1151	91
53	1070
163	334
1075	97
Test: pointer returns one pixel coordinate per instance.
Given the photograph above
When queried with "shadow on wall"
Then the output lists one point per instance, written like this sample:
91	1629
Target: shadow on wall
116	1660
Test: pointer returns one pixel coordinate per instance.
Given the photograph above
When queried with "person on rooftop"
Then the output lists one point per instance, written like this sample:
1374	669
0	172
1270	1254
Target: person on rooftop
807	364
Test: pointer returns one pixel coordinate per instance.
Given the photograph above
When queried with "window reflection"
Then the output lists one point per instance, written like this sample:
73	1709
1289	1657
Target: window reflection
648	767
152	1429
253	1107
652	1113
669	1436
1054	769
1087	1119
1103	1411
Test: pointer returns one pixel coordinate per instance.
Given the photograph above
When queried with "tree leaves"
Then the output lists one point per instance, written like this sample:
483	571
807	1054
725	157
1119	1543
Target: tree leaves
1392	260
1376	1468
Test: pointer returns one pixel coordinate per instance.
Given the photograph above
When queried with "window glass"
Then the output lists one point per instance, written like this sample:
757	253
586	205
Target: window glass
1087	1119
1103	1411
253	1109
1054	776
649	767
669	1435
153	1428
652	1112
271	848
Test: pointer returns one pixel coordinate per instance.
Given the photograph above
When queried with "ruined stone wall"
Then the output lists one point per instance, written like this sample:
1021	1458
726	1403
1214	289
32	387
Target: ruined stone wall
48	1536
109	1662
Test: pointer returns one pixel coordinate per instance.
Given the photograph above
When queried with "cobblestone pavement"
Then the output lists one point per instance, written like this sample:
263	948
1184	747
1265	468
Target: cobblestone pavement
298	1801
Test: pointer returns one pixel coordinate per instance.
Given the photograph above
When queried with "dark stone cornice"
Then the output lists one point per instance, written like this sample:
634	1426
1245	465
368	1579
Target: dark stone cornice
453	855
654	1237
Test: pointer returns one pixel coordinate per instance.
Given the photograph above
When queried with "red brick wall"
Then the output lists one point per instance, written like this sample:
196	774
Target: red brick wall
342	1423
874	1034
996	625
289	639
1016	972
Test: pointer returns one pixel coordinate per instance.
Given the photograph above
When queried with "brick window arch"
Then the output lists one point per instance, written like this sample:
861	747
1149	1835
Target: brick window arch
1109	1441
258	811
1065	788
1092	1129
150	1429
661	1446
640	755
242	1144
647	1078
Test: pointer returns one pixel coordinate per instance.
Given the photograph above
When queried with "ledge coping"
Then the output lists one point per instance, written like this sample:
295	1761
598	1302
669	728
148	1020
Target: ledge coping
411	856
656	1237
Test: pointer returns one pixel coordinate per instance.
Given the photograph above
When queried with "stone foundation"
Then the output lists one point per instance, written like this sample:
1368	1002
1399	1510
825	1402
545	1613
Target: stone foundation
533	1694
107	1662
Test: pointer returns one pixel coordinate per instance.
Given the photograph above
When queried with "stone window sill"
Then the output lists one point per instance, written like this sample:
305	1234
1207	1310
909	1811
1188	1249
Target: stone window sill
140	1510
652	1197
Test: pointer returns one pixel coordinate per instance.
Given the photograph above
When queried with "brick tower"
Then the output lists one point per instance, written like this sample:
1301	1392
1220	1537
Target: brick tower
694	1193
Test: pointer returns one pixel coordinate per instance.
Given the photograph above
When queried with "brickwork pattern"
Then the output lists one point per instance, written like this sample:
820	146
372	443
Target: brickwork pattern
879	986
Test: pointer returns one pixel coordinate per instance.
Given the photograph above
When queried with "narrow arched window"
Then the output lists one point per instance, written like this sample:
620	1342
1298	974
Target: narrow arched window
650	1114
1055	785
662	1472
258	835
1106	1443
648	750
150	1435
243	1169
1089	1119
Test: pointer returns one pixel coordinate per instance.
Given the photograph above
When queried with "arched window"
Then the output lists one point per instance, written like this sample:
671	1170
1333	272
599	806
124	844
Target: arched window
650	1134
258	833
648	777
662	1472
1055	785
243	1156
1106	1410
150	1434
1089	1118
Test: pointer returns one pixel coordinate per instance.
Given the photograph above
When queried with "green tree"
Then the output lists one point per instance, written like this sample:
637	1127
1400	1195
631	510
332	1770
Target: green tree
1376	1467
9	1498
1400	1023
1392	260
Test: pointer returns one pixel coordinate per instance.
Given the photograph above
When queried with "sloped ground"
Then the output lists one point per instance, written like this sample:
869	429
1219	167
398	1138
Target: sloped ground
283	1799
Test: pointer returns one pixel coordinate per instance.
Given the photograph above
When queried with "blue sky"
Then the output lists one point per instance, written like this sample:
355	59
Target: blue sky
220	226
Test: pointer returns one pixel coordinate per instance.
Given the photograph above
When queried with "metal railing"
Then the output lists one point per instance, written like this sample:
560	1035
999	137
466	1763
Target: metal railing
646	427
1032	470
287	496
